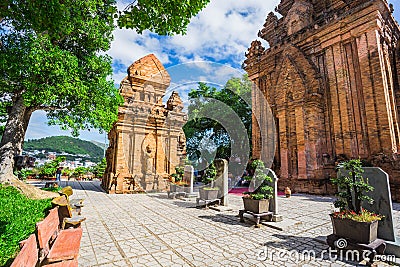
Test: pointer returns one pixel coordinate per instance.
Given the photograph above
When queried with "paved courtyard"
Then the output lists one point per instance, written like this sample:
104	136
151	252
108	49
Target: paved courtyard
152	230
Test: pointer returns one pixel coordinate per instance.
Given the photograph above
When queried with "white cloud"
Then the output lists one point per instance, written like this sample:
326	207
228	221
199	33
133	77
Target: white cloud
221	32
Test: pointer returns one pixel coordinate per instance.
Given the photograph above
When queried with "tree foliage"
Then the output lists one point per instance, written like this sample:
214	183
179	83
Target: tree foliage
352	186
201	127
260	180
50	57
165	17
99	169
49	168
80	171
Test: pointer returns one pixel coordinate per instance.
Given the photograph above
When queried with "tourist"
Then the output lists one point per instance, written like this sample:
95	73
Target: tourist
58	174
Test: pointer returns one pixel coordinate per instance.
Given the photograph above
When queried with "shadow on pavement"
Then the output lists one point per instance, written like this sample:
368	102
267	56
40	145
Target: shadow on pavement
227	219
315	198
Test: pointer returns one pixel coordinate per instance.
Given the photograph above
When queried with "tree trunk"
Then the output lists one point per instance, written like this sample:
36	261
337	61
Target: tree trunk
11	146
13	137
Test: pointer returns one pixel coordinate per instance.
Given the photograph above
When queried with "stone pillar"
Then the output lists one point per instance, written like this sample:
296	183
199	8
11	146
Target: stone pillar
188	176
273	204
222	180
301	150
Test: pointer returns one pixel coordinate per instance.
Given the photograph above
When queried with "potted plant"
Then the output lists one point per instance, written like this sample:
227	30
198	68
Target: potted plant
177	184
352	221
209	192
257	201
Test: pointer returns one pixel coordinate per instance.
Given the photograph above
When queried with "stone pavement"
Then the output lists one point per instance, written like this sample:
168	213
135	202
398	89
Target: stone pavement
152	230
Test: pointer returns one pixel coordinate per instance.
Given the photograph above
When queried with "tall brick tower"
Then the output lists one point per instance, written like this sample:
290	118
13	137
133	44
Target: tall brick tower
147	141
331	77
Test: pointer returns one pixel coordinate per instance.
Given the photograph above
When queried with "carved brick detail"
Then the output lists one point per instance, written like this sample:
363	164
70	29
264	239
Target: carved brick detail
331	77
146	143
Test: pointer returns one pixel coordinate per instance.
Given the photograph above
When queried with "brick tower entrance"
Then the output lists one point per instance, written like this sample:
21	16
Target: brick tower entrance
331	77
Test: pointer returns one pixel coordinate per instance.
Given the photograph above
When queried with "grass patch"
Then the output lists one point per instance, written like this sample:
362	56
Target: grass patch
18	217
52	189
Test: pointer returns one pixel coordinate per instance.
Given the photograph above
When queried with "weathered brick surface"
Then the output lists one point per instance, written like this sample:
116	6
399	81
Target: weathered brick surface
331	77
147	141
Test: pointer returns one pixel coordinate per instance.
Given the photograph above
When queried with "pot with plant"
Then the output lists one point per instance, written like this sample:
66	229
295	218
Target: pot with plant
178	185
351	220
209	191
257	201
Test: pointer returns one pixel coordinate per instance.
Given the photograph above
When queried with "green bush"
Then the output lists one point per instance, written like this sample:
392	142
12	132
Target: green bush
264	189
18	217
178	175
352	187
210	174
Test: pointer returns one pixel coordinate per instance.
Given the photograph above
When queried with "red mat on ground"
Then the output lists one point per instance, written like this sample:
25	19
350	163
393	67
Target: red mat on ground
239	191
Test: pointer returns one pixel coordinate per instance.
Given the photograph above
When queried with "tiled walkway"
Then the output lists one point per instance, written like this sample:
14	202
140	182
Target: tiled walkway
152	230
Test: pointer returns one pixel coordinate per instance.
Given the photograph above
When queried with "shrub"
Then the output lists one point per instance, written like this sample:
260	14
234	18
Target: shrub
351	187
363	216
178	175
18	217
262	180
210	174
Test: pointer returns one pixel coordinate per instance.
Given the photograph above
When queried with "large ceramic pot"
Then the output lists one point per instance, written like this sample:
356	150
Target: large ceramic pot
208	194
256	206
359	232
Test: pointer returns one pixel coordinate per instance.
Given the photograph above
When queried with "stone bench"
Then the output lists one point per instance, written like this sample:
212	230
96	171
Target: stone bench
29	254
207	202
55	245
75	204
256	216
65	212
51	246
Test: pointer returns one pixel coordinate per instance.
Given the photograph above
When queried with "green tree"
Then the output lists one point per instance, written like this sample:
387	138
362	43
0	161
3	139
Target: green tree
49	168
99	169
52	59
164	17
80	171
200	126
352	187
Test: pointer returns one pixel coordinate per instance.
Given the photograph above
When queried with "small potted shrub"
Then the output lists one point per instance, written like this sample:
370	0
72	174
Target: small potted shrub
352	221
209	191
177	184
257	201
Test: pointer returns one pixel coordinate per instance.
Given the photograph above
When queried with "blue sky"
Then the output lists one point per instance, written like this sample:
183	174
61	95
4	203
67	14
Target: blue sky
221	34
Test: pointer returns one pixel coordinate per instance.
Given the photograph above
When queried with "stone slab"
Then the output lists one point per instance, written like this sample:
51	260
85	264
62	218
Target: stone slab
188	176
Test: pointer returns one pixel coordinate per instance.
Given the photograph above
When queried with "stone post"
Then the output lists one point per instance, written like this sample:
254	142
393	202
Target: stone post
273	205
222	180
188	176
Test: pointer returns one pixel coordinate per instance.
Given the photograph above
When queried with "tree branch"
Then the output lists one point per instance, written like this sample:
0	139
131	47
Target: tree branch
47	108
130	5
